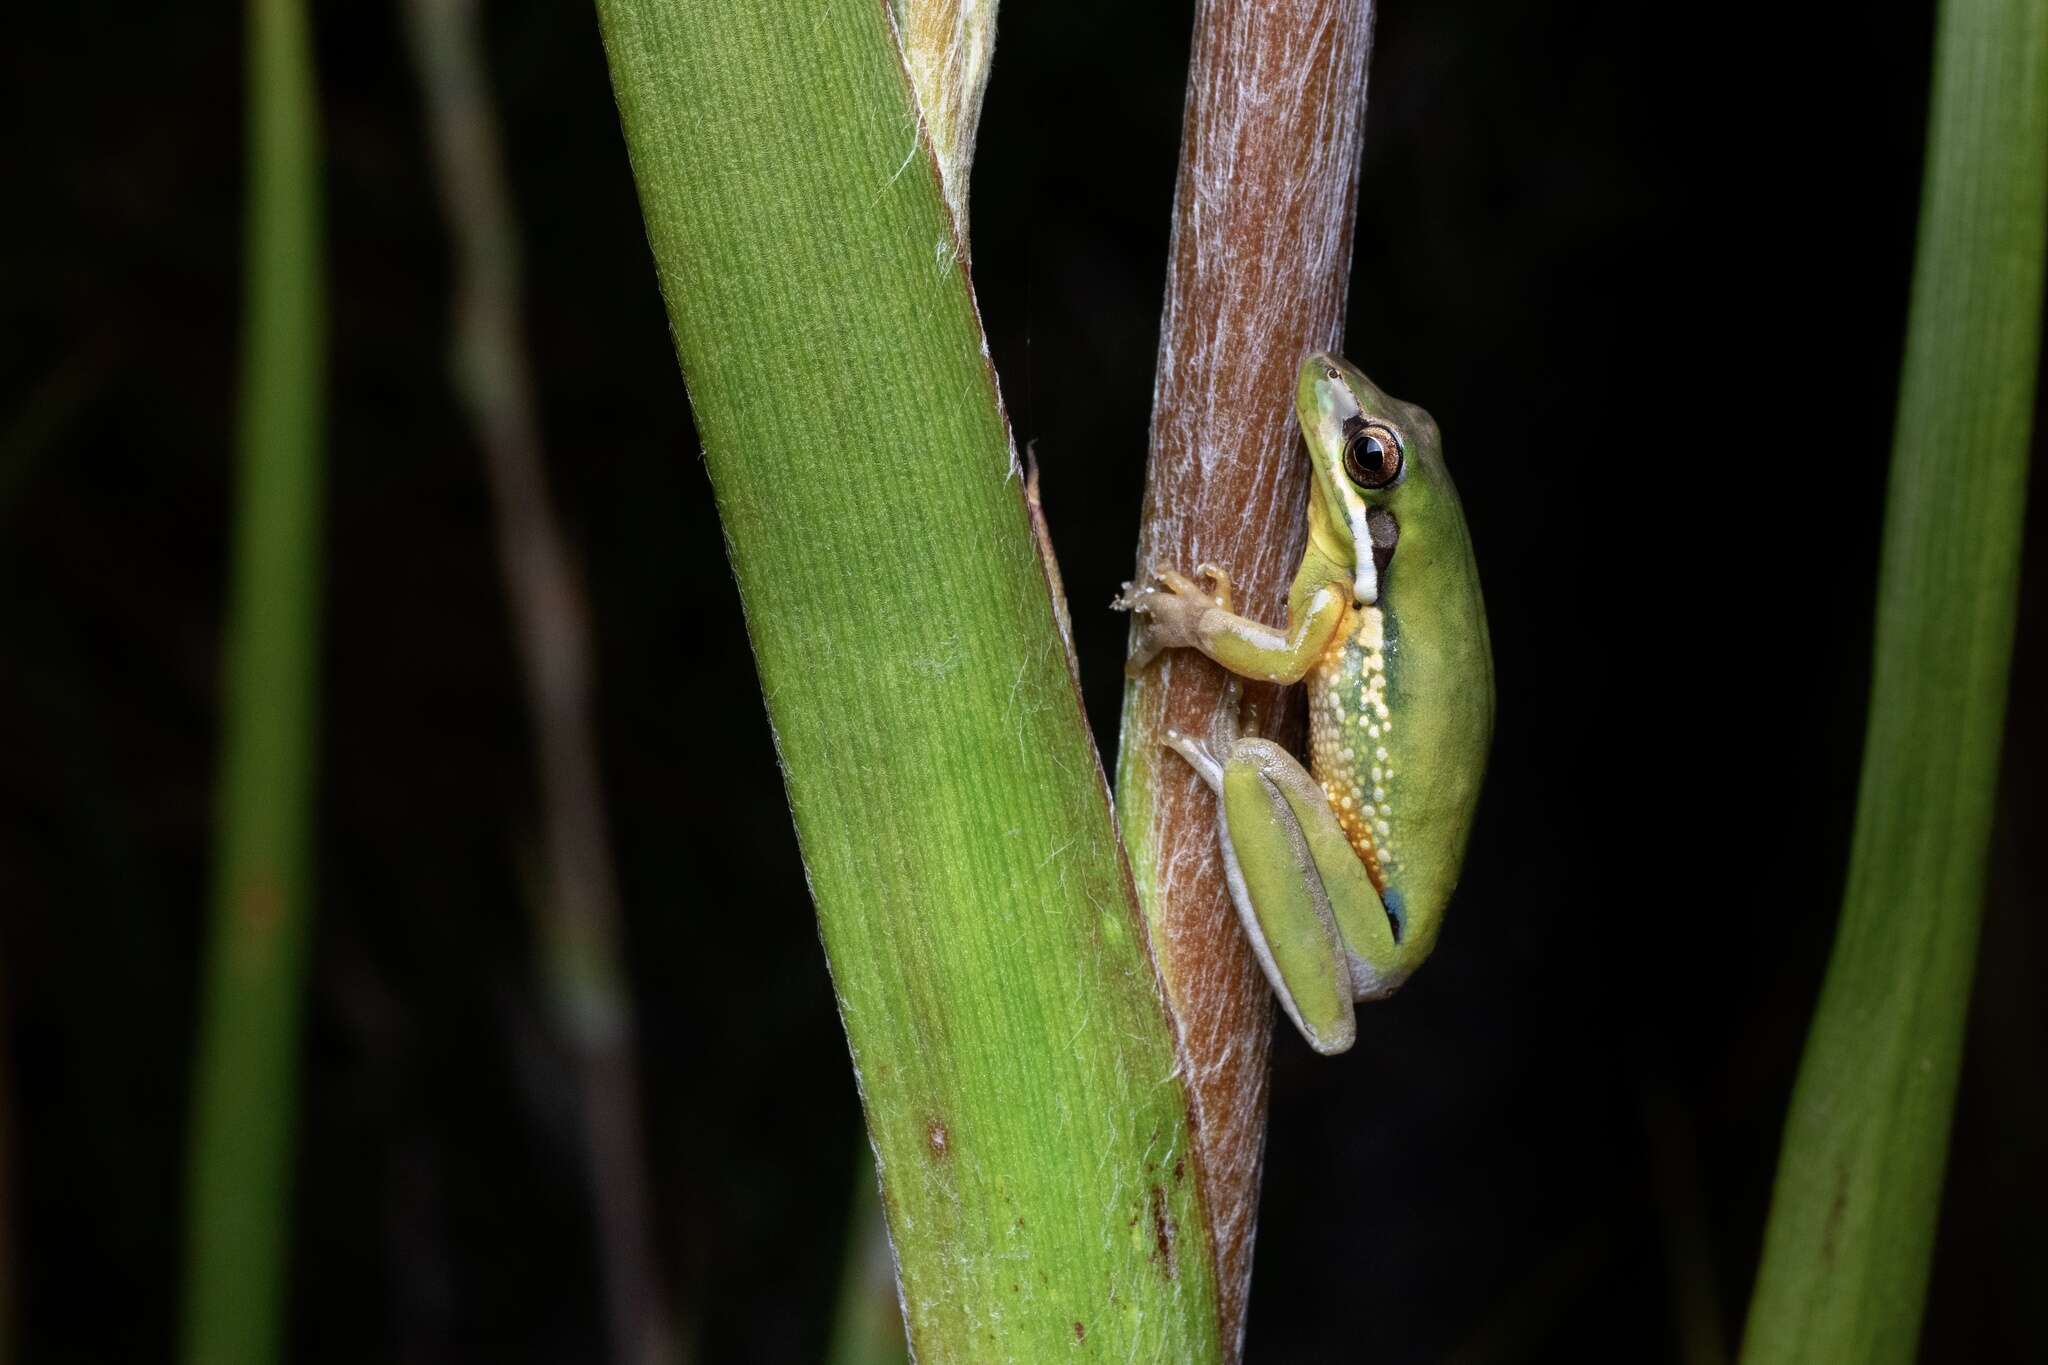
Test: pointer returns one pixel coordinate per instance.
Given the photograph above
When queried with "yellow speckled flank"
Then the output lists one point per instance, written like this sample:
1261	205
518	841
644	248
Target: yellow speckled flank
1349	727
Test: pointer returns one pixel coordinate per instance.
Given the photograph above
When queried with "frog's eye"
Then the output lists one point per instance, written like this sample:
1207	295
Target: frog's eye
1372	455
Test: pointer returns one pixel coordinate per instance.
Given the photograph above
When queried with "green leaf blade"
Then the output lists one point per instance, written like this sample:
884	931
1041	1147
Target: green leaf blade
1015	1062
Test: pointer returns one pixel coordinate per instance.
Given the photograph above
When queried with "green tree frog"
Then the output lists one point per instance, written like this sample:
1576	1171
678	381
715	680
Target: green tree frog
1341	872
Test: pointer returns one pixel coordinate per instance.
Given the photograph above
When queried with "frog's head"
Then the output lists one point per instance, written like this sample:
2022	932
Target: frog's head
1370	452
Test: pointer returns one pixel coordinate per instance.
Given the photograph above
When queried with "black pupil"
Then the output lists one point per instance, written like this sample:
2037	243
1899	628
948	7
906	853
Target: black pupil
1370	456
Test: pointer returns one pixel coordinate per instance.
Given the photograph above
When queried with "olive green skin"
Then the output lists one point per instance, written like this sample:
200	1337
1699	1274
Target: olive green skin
1435	653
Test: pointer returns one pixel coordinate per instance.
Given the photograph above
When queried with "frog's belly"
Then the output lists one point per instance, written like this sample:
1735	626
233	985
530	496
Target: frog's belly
1350	728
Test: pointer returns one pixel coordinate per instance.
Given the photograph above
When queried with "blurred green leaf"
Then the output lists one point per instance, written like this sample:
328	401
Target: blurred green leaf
1851	1232
239	1196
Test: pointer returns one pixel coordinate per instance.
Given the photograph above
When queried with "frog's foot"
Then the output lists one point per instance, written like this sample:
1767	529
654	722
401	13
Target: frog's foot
1207	764
1219	583
1208	757
1170	613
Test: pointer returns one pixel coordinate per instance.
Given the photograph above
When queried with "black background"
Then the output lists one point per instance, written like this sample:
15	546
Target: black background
1648	270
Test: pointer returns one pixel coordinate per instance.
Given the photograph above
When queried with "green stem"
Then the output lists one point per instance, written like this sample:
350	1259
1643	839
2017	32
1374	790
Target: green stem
1847	1249
239	1193
1018	1072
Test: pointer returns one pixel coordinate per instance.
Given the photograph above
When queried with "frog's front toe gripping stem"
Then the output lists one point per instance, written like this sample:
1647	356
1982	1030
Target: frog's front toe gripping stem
1171	612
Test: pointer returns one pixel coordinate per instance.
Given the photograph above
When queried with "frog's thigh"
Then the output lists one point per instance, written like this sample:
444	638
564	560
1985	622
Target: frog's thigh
1283	908
1375	960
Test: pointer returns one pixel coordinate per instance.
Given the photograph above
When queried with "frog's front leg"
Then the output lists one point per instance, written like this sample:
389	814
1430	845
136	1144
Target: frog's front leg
1309	910
1180	613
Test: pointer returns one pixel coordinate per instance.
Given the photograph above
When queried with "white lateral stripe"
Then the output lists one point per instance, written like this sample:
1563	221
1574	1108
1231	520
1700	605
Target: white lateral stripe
1365	574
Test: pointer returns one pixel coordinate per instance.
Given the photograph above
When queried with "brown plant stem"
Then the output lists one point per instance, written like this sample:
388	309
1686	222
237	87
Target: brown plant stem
1260	262
581	916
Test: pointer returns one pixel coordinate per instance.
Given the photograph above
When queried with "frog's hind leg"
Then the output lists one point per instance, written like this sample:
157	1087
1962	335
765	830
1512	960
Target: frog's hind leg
1281	901
1207	757
1371	938
1271	837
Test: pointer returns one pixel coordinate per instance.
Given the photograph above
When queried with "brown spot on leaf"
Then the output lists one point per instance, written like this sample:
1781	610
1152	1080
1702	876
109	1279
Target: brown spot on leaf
1836	1210
1080	1332
260	905
1163	1234
938	1139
